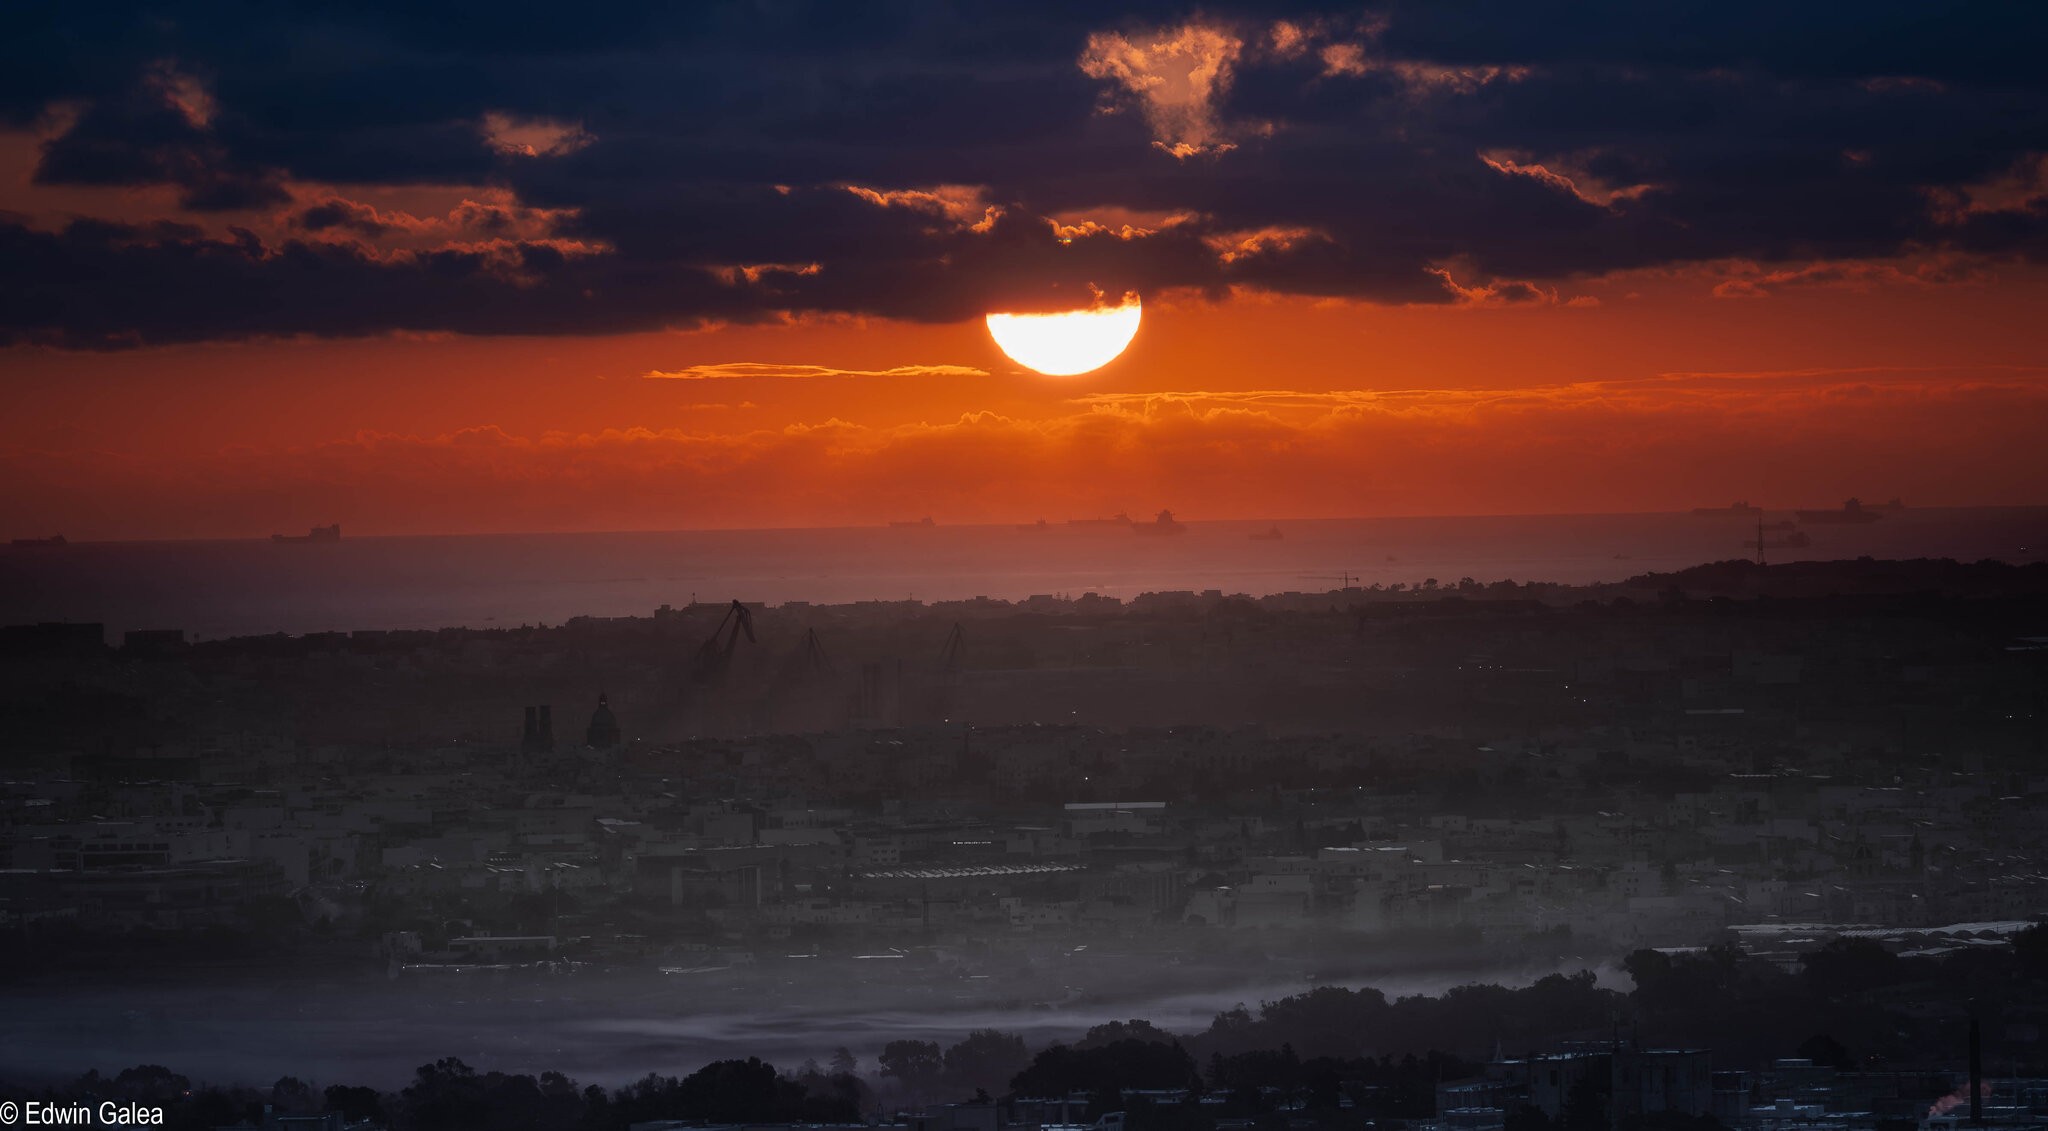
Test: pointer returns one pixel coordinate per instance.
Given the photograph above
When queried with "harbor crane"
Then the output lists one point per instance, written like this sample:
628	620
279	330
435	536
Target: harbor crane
950	655
812	658
1348	579
716	654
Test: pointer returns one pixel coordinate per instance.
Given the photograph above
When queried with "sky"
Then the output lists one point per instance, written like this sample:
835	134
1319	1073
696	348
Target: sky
422	269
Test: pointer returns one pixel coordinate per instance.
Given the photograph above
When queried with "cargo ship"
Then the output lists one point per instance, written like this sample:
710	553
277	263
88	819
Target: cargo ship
1742	508
1852	511
317	534
1164	524
1040	525
28	543
919	524
1270	534
1121	519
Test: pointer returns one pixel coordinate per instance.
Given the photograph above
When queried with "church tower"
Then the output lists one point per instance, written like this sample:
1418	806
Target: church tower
604	726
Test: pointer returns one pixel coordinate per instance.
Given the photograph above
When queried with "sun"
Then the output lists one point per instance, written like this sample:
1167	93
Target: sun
1069	342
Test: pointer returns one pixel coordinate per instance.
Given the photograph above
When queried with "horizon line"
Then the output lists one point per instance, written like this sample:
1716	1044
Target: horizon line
917	523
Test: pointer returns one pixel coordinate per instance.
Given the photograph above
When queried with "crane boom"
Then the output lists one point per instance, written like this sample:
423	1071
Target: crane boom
715	654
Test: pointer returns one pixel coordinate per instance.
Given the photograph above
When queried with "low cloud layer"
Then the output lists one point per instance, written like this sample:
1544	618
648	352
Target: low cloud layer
1596	446
734	370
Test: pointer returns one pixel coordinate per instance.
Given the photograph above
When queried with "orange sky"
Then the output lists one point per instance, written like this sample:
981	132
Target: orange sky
1662	395
1366	157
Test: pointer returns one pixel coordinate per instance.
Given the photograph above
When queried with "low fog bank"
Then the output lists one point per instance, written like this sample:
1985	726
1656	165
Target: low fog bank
609	1029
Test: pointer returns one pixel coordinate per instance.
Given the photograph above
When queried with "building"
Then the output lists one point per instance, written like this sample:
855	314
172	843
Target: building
603	732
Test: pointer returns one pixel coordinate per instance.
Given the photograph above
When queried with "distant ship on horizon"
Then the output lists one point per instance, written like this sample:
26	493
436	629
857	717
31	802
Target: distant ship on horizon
330	533
918	524
1270	534
1164	524
1041	524
1121	519
52	540
1741	508
1852	511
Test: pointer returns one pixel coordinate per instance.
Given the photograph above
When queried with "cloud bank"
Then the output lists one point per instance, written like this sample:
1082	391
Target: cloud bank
664	166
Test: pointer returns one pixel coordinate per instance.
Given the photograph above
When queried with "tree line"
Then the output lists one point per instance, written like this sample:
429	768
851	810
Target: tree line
1342	1055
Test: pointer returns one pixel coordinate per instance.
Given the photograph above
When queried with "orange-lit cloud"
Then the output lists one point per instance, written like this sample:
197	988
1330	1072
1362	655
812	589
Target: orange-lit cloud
734	370
1751	280
1178	76
1561	175
518	136
2019	188
1349	51
1233	246
1499	292
184	92
966	206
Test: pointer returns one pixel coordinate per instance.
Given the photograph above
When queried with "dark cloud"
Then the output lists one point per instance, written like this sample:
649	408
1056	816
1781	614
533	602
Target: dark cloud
344	214
693	161
158	129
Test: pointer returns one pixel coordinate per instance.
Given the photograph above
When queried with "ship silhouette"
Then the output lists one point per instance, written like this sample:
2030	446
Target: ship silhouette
1852	511
1741	508
1164	524
330	533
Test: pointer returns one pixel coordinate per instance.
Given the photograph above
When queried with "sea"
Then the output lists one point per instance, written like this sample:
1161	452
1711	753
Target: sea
212	589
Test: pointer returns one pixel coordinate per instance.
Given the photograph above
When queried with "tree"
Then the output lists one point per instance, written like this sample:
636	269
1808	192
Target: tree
1847	966
446	1095
844	1062
985	1059
1060	1070
150	1083
1323	1080
2030	946
210	1108
914	1064
355	1103
292	1096
1111	1032
732	1091
1327	1020
1686	983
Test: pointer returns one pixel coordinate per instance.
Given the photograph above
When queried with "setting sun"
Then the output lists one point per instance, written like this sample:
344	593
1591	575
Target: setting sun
1070	342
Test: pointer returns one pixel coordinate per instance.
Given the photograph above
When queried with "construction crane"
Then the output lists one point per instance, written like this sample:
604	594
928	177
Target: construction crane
1348	579
950	654
812	657
716	655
